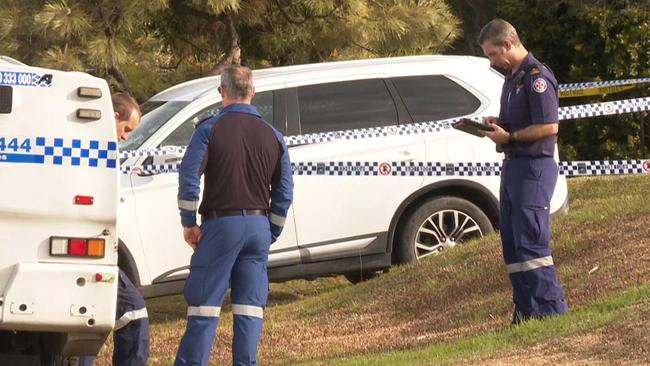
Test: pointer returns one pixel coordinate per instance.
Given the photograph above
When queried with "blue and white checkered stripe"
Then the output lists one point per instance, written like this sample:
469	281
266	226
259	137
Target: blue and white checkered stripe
60	151
445	169
76	152
570	112
607	108
336	168
428	169
153	152
610	167
364	133
599	84
151	169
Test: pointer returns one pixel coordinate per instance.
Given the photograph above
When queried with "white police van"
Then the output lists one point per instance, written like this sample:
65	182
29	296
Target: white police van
376	182
58	210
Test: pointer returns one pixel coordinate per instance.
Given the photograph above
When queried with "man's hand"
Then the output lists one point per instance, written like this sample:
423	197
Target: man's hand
498	134
192	235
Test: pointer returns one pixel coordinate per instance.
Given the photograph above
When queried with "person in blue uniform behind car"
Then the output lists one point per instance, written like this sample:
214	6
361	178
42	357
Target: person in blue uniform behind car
529	108
245	165
131	331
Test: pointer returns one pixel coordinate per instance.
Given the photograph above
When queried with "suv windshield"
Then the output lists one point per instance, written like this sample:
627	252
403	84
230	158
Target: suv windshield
154	116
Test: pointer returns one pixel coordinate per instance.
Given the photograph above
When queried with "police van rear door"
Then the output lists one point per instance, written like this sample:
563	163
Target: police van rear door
58	201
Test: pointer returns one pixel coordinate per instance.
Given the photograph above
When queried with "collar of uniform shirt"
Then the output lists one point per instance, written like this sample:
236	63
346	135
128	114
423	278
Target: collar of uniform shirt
528	60
241	108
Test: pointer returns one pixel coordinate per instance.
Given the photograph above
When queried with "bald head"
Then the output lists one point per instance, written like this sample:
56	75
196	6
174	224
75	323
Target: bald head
497	31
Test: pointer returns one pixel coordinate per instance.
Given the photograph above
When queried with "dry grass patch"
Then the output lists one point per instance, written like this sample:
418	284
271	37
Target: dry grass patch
600	249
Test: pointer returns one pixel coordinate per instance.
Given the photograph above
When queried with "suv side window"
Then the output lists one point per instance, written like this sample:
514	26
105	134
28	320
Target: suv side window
434	97
345	105
181	135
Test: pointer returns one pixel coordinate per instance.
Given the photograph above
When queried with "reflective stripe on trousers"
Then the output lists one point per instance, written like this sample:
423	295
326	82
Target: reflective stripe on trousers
530	264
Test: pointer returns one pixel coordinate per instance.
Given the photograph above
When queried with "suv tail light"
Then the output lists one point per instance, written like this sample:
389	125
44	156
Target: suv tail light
77	247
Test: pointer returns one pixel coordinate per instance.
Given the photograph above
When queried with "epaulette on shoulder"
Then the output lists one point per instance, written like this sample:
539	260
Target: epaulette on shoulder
534	70
201	119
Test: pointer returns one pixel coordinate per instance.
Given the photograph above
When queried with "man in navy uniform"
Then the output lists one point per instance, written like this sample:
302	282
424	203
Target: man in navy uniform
245	164
131	332
529	109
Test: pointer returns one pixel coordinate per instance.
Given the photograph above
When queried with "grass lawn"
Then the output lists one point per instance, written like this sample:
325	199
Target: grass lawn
456	307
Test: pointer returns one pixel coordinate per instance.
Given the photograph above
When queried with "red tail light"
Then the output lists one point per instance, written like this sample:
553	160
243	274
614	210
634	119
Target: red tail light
77	247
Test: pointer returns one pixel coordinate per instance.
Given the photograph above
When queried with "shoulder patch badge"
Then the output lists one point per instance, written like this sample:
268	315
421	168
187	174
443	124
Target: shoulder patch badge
539	85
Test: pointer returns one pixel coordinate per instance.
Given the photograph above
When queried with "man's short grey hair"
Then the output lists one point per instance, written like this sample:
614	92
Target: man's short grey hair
238	81
497	31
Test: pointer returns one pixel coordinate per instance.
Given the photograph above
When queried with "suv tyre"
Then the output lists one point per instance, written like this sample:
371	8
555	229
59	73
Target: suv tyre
437	224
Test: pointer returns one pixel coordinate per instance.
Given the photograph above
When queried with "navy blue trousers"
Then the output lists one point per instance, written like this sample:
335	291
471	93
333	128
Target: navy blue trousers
131	333
527	185
233	252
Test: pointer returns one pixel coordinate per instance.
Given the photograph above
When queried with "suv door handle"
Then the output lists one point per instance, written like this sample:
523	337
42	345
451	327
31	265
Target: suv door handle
174	160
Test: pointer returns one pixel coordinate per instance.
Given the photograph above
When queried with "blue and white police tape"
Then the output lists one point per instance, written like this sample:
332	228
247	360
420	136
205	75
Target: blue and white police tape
570	112
605	108
386	168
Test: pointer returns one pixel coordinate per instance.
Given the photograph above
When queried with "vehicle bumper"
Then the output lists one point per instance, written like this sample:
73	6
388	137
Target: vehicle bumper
66	298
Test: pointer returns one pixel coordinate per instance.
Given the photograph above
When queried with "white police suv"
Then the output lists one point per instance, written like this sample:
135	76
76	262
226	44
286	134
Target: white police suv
380	177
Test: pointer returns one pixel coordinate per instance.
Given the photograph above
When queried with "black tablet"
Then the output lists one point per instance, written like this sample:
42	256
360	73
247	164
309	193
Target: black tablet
471	127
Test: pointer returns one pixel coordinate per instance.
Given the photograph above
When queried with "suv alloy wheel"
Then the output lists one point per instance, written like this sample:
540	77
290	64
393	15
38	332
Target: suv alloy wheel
438	224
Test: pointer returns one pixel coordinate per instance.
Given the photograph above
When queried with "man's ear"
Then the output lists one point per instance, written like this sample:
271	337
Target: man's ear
507	44
117	116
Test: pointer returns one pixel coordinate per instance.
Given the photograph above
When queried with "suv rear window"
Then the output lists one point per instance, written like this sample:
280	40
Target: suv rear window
434	97
345	105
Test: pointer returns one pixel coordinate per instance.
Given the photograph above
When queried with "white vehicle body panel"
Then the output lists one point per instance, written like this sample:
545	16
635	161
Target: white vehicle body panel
40	292
331	216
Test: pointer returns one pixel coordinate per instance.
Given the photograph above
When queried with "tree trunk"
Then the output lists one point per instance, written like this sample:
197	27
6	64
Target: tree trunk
120	77
233	53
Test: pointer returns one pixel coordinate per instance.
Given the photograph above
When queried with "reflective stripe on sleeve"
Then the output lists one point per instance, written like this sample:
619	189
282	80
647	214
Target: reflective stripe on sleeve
209	311
277	219
188	205
248	310
530	265
130	316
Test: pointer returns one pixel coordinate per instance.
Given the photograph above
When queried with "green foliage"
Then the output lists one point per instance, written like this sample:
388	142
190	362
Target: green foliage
145	46
313	31
590	40
97	36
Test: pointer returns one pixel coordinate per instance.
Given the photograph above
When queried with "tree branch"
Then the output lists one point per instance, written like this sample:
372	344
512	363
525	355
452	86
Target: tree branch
286	16
365	48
